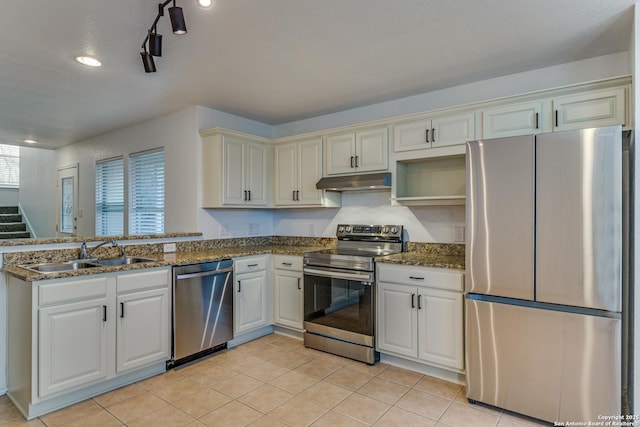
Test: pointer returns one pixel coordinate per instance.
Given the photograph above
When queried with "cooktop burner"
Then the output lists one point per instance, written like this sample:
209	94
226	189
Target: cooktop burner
357	246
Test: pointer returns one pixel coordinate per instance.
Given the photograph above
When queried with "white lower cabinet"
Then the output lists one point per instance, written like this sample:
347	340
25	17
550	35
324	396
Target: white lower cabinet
72	342
251	294
420	314
77	341
288	291
139	339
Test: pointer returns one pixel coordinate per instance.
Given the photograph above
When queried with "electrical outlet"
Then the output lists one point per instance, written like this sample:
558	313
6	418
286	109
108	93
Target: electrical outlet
458	232
254	229
169	247
223	230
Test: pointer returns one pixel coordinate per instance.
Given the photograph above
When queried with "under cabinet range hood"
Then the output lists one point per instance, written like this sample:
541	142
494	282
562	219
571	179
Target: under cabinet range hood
369	181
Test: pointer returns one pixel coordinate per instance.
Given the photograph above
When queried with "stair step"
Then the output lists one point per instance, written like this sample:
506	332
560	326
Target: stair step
10	235
9	210
10	218
13	226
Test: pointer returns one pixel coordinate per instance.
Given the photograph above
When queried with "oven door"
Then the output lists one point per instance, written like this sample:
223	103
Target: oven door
339	303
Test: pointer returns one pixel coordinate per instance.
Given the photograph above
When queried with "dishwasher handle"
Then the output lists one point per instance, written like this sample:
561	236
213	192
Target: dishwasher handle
203	273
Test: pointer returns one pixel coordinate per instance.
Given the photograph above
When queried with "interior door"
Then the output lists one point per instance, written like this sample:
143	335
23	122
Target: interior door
67	188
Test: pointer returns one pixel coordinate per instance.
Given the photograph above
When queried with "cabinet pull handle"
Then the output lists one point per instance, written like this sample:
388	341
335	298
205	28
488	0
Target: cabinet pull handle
288	264
297	195
299	284
239	286
252	265
357	161
121	309
245	196
433	135
416	278
351	163
294	195
427	137
249	199
413	300
419	302
537	114
556	118
104	313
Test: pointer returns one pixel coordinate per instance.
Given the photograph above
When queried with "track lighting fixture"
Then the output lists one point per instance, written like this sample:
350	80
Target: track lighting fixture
177	19
154	40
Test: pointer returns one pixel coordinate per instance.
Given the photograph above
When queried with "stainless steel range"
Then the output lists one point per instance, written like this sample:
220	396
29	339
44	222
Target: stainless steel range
339	292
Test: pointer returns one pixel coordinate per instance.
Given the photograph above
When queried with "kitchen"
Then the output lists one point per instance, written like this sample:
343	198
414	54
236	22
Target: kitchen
178	133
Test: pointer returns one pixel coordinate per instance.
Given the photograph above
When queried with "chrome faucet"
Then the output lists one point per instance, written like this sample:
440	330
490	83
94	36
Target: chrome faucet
84	254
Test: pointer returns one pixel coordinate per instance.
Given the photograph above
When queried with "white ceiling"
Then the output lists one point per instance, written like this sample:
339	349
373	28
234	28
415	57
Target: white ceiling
274	61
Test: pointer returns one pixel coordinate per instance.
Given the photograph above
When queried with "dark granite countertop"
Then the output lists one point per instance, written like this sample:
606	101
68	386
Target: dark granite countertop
168	259
423	259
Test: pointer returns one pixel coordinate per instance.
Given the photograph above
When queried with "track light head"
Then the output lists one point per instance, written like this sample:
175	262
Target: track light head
177	20
155	44
147	61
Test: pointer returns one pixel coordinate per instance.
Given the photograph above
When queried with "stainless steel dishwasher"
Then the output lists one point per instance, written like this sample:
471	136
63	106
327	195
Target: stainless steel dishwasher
202	310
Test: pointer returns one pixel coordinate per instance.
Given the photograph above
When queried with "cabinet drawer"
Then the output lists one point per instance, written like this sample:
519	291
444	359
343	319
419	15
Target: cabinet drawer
76	290
247	265
288	262
421	276
145	280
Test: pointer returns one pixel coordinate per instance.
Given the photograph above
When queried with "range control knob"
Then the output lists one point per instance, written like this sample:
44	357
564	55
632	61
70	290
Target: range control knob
348	229
394	230
385	230
340	229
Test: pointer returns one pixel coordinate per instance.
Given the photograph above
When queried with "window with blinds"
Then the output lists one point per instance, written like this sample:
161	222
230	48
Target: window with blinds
9	166
110	197
146	193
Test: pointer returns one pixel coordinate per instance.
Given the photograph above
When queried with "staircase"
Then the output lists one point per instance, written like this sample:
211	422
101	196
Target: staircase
11	225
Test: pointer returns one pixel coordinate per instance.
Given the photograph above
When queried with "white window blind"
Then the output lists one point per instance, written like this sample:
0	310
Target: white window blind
146	193
110	197
9	165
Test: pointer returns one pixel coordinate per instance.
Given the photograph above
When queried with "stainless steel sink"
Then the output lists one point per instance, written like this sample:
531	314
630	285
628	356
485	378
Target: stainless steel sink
56	267
122	261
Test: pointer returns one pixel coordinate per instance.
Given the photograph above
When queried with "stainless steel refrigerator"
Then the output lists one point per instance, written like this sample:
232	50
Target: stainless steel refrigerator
546	265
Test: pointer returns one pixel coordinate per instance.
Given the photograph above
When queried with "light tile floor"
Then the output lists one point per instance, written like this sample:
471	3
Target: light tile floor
276	381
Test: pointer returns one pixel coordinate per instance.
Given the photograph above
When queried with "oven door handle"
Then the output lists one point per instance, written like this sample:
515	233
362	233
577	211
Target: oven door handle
340	274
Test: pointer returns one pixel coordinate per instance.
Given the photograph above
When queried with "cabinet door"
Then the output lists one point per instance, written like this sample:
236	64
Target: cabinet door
397	319
372	149
288	298
142	333
250	302
440	336
340	154
452	130
286	168
512	120
309	172
256	174
233	179
412	136
592	109
72	345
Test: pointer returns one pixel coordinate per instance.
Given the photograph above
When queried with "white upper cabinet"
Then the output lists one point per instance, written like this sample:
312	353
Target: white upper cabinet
590	109
363	151
298	167
512	120
434	132
235	171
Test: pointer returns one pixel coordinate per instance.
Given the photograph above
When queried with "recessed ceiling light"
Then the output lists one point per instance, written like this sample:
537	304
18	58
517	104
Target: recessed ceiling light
88	60
205	4
30	141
